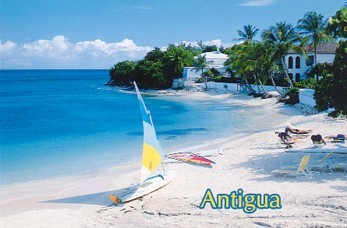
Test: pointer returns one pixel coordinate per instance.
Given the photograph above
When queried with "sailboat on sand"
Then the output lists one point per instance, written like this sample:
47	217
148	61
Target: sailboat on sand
152	157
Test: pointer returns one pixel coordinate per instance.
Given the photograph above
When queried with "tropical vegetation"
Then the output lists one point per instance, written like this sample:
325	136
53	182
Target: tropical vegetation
255	62
248	33
313	28
331	91
283	38
156	70
200	63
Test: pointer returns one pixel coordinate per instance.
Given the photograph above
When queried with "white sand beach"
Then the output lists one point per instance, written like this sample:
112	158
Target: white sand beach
245	162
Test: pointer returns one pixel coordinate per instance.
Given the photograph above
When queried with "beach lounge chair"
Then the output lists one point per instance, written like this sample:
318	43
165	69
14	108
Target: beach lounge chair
339	167
323	164
301	171
339	138
290	128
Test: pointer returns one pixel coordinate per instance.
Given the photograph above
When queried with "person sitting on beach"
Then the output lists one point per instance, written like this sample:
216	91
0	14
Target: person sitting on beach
297	131
337	138
318	139
286	139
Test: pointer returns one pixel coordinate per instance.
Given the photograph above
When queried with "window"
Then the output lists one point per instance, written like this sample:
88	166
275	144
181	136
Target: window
290	62
297	77
290	75
309	61
297	62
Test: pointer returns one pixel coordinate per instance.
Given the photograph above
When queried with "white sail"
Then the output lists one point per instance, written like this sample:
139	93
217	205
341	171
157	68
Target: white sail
152	151
151	159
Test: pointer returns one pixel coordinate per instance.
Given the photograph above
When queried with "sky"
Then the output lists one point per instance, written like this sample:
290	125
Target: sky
96	34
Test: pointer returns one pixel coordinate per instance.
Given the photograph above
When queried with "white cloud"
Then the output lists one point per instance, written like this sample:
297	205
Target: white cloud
216	42
101	47
60	53
257	3
48	48
6	47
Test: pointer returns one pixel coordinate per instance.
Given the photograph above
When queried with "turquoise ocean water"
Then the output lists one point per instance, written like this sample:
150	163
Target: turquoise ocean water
65	122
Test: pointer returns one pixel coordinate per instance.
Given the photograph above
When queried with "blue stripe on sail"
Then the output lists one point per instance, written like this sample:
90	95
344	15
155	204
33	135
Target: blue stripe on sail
144	113
150	137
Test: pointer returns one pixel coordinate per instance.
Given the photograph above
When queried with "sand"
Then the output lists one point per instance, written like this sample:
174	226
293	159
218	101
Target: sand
245	162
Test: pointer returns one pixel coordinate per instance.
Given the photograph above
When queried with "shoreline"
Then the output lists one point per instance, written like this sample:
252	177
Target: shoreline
245	161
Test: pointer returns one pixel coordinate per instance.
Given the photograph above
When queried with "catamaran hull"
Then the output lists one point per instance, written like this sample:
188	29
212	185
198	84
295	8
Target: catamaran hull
192	158
149	186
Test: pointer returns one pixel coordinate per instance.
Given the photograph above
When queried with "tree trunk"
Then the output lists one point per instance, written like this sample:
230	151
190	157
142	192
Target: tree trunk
315	54
286	73
315	59
248	86
262	86
256	79
274	84
205	79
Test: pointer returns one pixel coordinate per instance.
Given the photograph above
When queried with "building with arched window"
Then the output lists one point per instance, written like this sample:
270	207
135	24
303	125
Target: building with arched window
290	62
299	65
297	77
297	62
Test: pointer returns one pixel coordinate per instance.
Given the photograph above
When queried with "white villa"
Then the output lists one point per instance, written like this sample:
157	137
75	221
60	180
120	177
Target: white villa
215	60
299	65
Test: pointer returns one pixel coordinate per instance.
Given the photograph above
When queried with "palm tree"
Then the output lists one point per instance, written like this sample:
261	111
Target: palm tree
283	37
248	33
313	27
251	61
176	56
269	66
200	64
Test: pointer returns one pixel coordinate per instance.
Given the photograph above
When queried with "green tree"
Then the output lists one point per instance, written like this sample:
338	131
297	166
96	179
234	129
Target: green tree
283	37
155	55
176	58
332	89
313	28
248	33
200	63
337	26
156	70
251	61
210	48
339	84
150	74
194	50
122	74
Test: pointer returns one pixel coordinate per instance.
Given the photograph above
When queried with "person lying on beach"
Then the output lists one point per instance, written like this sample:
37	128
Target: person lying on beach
297	131
318	139
286	139
337	138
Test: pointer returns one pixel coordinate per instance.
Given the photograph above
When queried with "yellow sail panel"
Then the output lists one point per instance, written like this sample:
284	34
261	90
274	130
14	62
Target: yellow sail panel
151	157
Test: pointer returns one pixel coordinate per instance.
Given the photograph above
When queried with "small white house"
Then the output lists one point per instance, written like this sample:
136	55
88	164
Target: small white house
214	59
299	65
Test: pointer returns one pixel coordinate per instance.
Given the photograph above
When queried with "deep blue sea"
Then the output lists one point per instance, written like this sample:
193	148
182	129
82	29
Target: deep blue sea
64	122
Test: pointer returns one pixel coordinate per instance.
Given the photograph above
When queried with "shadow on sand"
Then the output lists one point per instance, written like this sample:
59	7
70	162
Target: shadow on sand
265	163
100	198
